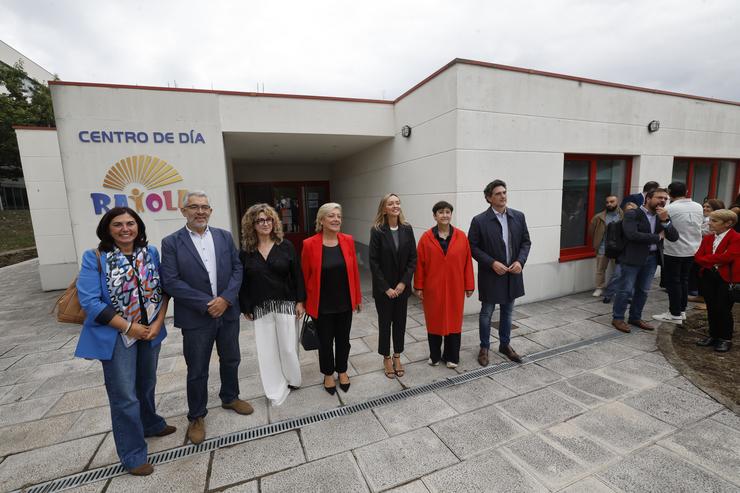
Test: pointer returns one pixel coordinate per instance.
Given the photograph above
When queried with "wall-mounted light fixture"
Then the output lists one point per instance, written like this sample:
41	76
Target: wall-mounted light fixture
406	131
653	126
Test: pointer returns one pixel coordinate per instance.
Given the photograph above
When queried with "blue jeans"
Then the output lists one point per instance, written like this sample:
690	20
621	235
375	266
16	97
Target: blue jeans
639	278
130	378
613	285
197	346
504	324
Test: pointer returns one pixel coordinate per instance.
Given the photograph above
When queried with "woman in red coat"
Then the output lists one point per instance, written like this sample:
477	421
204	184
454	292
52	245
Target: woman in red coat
332	280
719	259
444	277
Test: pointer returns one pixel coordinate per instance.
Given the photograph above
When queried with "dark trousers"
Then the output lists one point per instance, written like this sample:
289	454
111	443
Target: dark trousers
197	346
676	272
333	329
391	320
451	351
719	304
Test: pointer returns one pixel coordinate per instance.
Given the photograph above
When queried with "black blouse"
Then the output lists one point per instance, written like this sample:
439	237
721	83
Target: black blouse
335	297
443	242
279	278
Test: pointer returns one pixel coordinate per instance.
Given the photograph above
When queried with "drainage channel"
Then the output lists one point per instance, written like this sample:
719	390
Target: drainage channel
102	473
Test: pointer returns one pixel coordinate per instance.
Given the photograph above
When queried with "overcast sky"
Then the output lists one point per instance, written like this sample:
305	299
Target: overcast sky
379	48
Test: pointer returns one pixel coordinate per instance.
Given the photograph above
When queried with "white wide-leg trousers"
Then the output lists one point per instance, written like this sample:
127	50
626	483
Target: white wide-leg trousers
276	336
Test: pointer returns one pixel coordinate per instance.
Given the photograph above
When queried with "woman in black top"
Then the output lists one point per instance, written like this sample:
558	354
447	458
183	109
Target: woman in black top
272	294
392	262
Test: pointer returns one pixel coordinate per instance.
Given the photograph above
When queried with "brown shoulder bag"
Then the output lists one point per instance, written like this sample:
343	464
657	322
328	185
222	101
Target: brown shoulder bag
68	306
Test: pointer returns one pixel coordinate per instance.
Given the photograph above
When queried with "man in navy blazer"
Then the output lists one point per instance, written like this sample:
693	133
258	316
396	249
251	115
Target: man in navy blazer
639	198
499	241
201	271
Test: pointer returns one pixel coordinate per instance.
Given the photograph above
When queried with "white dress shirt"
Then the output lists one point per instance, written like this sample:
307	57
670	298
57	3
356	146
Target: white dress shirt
207	251
717	240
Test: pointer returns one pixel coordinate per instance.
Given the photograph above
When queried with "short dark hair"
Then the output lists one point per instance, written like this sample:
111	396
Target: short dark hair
677	189
651	185
488	191
652	192
611	195
106	240
442	205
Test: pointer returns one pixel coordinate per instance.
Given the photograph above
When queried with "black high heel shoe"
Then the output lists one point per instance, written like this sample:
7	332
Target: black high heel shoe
331	390
345	386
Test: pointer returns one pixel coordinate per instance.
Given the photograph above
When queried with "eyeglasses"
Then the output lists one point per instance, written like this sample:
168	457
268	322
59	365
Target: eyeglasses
263	220
195	208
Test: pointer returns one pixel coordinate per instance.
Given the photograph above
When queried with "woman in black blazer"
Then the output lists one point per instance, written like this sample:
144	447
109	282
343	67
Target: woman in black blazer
392	263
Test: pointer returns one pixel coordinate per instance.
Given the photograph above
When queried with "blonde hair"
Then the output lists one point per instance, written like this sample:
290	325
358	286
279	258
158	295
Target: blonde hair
323	211
249	236
381	218
724	215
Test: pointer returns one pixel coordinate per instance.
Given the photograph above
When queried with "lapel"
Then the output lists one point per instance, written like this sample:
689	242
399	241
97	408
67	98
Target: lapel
185	239
722	247
498	236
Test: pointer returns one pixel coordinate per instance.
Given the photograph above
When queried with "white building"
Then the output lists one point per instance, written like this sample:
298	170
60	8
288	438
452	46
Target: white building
561	143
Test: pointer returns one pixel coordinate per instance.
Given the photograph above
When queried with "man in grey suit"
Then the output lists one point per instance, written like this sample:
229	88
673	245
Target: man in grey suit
200	269
499	241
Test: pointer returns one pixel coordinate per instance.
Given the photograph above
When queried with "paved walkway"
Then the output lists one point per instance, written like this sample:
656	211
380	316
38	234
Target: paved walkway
610	416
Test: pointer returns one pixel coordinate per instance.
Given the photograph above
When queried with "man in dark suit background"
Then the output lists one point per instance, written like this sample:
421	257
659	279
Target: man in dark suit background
639	198
201	270
499	242
644	230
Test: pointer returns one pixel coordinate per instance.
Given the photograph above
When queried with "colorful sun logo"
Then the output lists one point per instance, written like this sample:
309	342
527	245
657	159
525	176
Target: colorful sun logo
149	171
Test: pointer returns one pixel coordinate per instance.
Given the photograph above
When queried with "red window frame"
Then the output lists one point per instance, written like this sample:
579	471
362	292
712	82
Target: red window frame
587	250
714	163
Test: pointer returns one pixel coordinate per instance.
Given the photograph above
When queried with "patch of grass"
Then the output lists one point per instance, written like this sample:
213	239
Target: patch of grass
17	230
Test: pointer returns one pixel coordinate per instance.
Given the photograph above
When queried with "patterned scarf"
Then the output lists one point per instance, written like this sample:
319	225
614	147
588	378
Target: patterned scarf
125	281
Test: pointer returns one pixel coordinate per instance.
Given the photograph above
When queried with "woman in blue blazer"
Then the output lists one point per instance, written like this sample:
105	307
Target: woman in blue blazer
120	291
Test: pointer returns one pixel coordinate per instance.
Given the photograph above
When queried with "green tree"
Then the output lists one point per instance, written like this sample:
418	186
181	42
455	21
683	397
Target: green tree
23	101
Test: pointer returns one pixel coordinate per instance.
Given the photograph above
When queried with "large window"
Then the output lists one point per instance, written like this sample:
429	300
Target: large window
708	178
587	181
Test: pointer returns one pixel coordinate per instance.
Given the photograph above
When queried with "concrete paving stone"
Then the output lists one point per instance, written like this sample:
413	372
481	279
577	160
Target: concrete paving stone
18	392
420	372
106	453
543	322
605	353
522	345
69	382
490	472
35	434
639	339
5	363
367	386
340	434
78	400
533	309
28	410
416	351
35	347
304	401
366	362
167	365
44	464
574	314
673	405
188	474
587	485
46	358
552	338
414	412
709	444
547	463
658	470
540	408
419	333
248	487
568	364
526	378
621	427
253	459
596	385
247	367
597	307
338	474
91	422
176	403
636	373
587	329
583	398
656	358
475	394
359	347
362	328
12	375
176	380
403	458
471	433
225	421
579	444
683	383
412	487
727	418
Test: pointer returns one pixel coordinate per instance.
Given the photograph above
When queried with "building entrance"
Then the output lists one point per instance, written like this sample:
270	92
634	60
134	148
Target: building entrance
295	202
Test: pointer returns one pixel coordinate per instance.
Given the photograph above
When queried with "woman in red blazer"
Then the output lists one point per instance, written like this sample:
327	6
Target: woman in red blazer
332	280
719	259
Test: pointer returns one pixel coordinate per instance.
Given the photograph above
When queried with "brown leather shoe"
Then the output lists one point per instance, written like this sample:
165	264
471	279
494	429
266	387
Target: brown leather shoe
168	430
642	324
239	406
621	326
197	431
142	470
509	353
483	357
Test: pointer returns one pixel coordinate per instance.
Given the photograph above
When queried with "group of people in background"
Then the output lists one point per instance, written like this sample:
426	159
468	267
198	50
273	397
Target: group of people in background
125	289
697	247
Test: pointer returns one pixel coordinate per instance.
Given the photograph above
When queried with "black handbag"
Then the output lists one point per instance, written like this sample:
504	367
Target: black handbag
309	334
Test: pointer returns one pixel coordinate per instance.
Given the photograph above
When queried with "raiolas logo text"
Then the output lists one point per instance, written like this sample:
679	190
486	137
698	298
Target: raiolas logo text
135	177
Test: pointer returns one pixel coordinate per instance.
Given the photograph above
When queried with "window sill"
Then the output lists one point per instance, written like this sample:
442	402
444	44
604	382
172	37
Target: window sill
578	253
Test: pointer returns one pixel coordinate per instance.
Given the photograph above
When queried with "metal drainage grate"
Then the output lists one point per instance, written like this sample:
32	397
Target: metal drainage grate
263	431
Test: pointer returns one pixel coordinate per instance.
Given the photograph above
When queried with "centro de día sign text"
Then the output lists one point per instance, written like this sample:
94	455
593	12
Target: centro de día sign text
138	137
